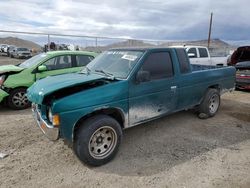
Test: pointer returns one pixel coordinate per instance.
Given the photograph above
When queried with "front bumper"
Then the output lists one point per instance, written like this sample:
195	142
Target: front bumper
50	131
243	83
24	55
3	94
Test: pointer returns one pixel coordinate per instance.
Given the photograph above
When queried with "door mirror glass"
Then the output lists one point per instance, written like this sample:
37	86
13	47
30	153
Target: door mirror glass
142	76
42	68
191	55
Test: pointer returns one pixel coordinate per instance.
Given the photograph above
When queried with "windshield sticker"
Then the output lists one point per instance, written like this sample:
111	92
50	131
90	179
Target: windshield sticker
129	57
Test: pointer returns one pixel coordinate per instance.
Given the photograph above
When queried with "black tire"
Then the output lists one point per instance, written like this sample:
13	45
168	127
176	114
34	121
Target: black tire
97	140
210	104
17	100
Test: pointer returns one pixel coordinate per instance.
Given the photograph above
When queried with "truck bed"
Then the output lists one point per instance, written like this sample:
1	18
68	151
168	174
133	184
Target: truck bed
196	67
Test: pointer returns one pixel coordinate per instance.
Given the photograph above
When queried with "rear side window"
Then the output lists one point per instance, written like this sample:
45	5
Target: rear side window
183	61
203	52
159	64
60	62
83	60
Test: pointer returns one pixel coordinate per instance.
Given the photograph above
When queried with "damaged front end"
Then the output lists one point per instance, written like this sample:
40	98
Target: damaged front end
45	93
55	87
47	127
5	71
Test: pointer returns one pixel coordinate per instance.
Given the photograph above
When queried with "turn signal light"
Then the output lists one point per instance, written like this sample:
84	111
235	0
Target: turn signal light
56	120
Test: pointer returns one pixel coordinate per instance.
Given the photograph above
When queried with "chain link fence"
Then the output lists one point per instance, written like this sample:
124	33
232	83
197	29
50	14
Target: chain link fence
55	41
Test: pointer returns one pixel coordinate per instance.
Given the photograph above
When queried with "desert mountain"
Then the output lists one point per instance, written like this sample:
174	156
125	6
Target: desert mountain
20	43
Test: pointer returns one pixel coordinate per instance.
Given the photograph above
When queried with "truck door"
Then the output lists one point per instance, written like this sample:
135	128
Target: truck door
154	95
193	55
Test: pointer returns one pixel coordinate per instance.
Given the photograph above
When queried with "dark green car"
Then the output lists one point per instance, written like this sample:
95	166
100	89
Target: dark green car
15	79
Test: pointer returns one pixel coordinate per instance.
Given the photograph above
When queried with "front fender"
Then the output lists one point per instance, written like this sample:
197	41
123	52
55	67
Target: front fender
69	119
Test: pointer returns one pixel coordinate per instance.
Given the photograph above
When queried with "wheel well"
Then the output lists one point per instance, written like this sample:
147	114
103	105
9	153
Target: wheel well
9	90
217	86
115	113
21	87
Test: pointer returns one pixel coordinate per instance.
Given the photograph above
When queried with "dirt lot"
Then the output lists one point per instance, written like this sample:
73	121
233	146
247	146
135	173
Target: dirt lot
177	151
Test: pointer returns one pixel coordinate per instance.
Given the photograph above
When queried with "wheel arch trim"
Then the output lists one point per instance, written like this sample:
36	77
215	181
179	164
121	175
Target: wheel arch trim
117	113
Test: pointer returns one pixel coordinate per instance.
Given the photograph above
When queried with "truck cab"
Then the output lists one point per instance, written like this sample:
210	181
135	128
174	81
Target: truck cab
199	55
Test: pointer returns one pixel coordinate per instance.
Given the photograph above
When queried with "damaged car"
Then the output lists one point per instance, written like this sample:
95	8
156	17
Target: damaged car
243	75
15	79
241	54
122	88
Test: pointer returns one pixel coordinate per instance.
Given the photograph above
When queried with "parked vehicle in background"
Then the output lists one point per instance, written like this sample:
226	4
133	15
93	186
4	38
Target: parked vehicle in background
5	49
14	80
10	50
200	55
20	52
2	47
122	88
239	55
243	75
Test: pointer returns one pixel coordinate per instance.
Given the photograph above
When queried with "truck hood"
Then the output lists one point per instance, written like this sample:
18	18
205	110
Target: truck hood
42	88
10	68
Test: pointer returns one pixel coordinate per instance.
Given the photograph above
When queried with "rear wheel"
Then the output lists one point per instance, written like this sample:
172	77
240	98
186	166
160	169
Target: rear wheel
210	104
18	100
97	140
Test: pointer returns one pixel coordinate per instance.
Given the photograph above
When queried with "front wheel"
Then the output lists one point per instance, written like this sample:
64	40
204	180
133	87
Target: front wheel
97	140
18	100
210	104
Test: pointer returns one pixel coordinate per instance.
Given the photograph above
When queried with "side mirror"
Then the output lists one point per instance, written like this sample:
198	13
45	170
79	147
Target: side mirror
142	76
191	55
42	68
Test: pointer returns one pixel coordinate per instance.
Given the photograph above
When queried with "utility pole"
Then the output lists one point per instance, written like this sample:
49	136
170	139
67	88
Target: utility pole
48	42
209	32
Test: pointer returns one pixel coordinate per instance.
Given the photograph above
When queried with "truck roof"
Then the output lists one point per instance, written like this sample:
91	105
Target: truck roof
142	48
187	46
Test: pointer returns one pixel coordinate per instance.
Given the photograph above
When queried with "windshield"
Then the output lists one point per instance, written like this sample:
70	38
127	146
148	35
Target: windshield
22	49
116	63
33	61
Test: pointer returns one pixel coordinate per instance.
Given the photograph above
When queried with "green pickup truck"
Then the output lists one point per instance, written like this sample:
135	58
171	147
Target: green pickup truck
122	88
15	79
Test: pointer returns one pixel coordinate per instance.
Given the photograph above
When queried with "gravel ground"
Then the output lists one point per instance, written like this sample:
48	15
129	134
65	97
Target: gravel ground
4	60
179	150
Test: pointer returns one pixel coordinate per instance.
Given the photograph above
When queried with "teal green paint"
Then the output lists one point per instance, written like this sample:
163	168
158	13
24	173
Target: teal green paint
138	102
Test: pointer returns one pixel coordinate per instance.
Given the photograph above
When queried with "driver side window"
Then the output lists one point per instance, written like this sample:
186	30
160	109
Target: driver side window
60	62
158	65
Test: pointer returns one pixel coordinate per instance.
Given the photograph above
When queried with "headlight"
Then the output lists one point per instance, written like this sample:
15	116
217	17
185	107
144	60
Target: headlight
2	79
53	119
50	116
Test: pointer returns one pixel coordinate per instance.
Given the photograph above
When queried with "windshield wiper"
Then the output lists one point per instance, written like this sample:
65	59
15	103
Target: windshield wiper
87	71
107	74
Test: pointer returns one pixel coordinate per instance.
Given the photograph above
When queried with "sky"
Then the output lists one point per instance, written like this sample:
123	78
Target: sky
139	19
